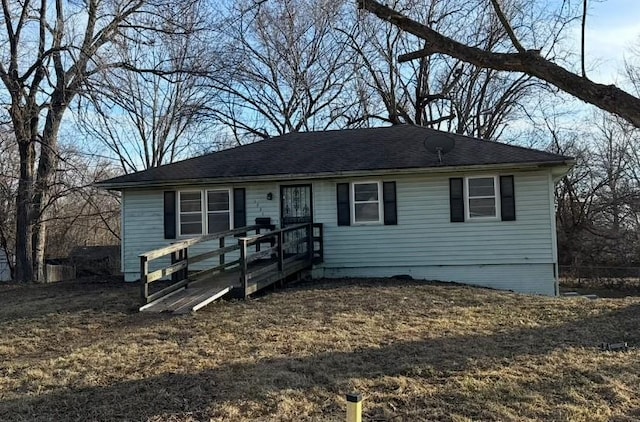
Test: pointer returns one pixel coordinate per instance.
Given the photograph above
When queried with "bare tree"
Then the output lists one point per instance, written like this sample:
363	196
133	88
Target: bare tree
516	58
597	203
80	213
50	49
436	90
146	119
286	69
9	170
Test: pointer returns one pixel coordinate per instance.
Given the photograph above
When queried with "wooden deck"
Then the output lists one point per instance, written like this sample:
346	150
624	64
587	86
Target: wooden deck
240	278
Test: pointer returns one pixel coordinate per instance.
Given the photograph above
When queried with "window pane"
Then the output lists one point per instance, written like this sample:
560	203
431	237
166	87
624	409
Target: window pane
191	228
366	192
481	187
485	207
366	212
218	222
190	218
217	200
190	202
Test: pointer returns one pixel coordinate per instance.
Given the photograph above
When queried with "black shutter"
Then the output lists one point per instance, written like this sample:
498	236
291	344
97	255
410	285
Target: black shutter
389	198
169	214
343	206
507	198
456	199
239	208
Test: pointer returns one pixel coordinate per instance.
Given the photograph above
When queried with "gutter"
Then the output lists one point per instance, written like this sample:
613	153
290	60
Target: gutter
336	174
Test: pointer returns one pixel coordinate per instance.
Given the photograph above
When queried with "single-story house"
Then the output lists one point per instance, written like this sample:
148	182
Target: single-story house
390	200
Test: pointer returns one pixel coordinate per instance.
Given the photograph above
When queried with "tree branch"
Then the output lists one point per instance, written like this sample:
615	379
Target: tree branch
507	27
607	97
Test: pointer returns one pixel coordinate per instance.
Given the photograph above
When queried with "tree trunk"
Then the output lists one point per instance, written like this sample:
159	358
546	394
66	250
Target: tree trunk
39	242
24	210
34	190
39	232
47	164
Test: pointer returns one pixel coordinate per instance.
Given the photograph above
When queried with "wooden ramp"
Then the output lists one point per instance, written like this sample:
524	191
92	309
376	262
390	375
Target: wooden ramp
192	297
250	273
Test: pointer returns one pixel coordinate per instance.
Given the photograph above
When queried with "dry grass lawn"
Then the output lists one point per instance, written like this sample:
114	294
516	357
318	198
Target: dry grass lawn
416	351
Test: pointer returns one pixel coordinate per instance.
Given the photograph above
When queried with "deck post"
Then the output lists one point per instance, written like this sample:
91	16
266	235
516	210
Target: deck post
320	242
222	255
258	242
144	286
280	250
309	231
175	257
185	256
244	281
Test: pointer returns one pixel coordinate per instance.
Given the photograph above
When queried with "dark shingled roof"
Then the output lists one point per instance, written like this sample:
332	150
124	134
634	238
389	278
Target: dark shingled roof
337	151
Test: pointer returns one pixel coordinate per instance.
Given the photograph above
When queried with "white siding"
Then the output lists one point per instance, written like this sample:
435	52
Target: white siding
424	235
517	255
143	224
143	228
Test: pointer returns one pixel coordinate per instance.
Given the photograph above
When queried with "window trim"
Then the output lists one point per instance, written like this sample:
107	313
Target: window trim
380	202
179	213
496	197
206	207
204	210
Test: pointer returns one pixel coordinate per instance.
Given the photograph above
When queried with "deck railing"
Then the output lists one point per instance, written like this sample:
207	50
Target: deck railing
180	261
279	252
284	252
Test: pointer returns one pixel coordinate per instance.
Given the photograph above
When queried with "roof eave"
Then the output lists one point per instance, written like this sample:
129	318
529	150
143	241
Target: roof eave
565	164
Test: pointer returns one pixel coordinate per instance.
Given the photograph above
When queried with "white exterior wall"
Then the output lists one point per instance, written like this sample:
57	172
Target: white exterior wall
143	224
515	255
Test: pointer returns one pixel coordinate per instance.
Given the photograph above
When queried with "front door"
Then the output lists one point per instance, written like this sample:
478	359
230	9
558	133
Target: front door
295	208
295	205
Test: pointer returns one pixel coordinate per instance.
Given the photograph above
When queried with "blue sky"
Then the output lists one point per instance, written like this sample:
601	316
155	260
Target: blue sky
613	27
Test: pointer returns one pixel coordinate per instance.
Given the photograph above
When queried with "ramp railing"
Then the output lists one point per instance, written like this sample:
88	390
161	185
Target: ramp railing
180	262
290	249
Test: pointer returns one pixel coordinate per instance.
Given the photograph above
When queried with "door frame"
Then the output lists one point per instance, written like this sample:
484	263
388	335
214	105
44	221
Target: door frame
294	185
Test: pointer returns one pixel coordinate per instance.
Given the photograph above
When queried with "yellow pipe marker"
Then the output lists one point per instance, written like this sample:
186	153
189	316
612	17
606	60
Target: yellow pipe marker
354	407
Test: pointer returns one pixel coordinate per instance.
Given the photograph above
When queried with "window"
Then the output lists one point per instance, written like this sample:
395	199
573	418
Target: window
366	202
204	212
485	198
190	213
482	197
217	211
